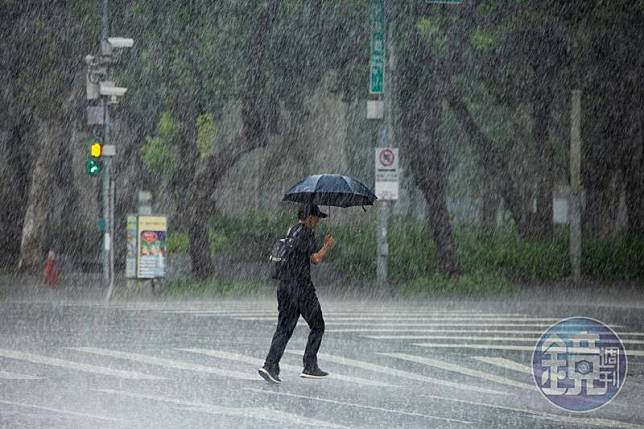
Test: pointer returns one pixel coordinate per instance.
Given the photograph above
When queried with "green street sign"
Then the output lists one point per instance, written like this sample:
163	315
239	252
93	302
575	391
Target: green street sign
377	58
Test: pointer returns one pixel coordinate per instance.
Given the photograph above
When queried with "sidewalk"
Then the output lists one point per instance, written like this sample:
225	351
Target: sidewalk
88	287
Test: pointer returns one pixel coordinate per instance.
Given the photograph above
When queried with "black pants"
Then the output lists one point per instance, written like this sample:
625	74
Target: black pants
295	299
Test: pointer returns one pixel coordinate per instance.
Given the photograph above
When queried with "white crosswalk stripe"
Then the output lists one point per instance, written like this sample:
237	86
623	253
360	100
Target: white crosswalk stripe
168	363
592	421
504	363
76	366
508	347
5	375
476	338
459	369
400	373
415	324
66	413
259	362
365	407
459	331
507	320
255	413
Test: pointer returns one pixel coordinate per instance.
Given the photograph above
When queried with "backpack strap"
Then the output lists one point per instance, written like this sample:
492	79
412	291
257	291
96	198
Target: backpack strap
292	231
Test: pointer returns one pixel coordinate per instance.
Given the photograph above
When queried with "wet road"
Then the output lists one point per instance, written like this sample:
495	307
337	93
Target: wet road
438	363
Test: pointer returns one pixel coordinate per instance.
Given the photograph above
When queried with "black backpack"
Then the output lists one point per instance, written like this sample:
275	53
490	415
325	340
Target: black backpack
281	252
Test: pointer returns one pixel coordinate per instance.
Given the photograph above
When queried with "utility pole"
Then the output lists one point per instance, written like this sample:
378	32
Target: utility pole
102	93
575	185
385	207
106	178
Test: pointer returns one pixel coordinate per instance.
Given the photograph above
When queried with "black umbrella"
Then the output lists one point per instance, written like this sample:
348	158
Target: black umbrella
330	190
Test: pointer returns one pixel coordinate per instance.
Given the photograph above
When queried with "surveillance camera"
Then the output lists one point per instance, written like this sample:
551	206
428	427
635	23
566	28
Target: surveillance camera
120	42
108	88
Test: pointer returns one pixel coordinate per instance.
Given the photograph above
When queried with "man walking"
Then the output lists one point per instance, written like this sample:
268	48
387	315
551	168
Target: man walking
296	295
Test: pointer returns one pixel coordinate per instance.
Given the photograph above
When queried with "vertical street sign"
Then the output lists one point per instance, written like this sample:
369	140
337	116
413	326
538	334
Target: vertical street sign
387	173
377	57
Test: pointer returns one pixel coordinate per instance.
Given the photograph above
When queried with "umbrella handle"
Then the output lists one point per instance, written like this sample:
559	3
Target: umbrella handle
364	210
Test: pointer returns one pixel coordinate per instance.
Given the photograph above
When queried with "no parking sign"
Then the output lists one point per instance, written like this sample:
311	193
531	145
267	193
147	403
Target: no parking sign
387	173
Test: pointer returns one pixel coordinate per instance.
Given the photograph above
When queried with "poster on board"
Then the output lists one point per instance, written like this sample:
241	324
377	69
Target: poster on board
152	246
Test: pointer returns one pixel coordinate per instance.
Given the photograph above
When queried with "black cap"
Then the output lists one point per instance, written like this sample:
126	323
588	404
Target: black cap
310	210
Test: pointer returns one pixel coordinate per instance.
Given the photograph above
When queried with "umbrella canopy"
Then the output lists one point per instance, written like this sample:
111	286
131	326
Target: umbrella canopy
330	190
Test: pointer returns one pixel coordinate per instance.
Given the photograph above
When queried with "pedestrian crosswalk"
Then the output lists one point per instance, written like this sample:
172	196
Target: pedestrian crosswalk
449	356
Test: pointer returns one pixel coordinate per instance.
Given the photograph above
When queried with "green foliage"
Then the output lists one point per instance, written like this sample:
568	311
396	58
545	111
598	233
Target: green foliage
482	40
212	287
206	133
178	243
466	284
159	153
412	254
431	31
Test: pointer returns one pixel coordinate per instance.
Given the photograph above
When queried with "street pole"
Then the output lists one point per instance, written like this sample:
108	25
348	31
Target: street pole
108	188
575	185
384	206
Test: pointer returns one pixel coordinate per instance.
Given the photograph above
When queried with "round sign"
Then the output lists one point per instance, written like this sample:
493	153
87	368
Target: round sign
579	364
387	158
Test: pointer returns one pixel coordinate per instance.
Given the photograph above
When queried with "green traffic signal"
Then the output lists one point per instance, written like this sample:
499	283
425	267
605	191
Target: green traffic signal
93	167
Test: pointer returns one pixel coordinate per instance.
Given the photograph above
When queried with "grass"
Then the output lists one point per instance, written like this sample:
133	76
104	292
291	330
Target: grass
466	284
488	260
212	287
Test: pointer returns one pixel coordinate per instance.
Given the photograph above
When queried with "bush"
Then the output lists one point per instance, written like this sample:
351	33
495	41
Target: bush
412	254
212	287
466	284
178	243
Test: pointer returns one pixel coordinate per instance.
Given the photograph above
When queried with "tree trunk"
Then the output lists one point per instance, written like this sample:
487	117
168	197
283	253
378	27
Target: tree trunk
36	227
434	186
494	162
489	208
198	234
14	164
420	120
197	202
541	227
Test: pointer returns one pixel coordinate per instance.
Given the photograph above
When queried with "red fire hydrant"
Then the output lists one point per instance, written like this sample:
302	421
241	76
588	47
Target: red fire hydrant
50	274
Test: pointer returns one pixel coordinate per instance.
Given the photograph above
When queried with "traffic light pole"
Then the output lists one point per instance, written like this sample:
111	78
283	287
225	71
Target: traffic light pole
108	269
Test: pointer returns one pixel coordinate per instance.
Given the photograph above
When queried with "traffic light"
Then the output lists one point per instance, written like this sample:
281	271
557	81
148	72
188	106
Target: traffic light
94	164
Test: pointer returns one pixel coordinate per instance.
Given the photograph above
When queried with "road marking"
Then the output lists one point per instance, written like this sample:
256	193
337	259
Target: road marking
400	373
464	331
403	324
460	369
515	348
509	320
456	337
168	363
504	363
605	423
259	362
45	360
366	407
340	313
59	411
13	376
257	413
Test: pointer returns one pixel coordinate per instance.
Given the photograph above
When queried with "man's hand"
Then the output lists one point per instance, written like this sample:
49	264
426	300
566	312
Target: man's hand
329	242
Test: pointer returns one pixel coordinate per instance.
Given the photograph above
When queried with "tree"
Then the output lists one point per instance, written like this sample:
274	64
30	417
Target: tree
188	86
